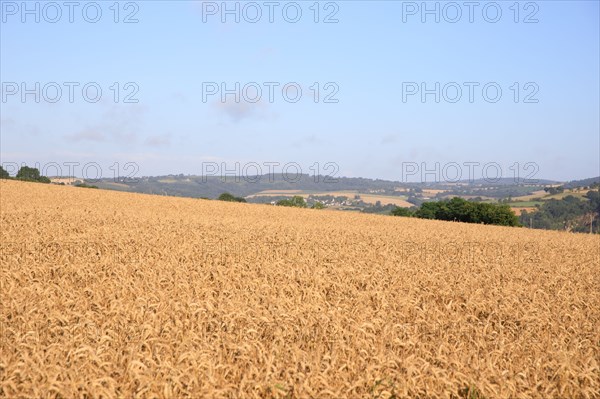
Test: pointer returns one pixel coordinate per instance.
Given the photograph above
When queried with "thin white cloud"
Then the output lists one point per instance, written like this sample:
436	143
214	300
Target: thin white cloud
86	135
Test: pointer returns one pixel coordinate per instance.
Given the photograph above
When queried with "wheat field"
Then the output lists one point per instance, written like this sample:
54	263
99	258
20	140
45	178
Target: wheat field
108	294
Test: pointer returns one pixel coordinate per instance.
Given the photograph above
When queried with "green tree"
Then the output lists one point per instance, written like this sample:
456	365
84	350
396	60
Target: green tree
31	174
296	201
230	198
398	211
27	173
428	210
3	173
318	205
226	197
461	210
594	200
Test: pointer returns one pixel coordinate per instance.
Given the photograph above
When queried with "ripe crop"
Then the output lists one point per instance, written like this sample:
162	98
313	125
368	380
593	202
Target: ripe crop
107	294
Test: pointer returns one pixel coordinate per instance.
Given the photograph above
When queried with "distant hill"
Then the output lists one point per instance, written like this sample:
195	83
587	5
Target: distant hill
213	186
510	181
582	183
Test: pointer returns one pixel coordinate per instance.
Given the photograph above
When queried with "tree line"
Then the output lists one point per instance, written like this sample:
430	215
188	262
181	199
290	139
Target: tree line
25	173
570	213
296	202
460	210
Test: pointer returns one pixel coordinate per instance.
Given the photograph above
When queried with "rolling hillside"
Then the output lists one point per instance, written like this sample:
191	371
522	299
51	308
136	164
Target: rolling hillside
113	294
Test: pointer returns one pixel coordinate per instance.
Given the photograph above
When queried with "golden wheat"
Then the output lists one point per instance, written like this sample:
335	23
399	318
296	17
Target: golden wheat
108	294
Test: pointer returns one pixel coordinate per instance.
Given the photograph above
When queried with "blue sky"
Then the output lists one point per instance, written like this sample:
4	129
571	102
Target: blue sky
374	53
